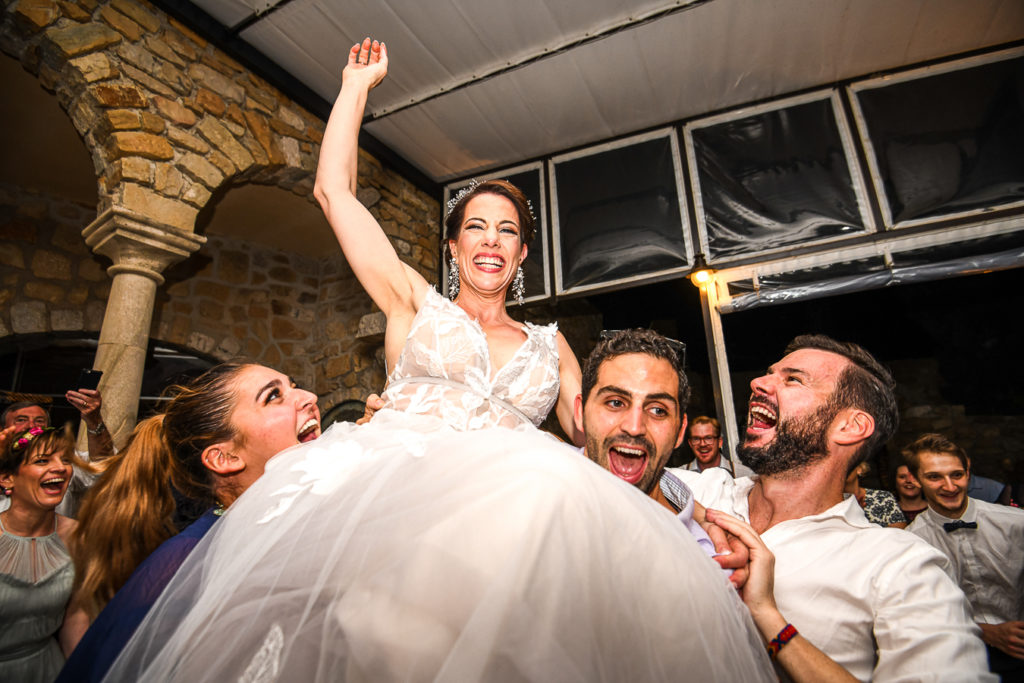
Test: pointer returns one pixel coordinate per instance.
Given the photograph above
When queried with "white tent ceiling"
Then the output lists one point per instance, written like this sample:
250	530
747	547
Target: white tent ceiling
482	84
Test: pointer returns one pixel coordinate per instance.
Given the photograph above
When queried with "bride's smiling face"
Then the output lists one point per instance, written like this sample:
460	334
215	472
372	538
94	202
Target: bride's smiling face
489	248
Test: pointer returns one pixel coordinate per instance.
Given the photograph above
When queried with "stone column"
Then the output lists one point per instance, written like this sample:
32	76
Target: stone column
140	249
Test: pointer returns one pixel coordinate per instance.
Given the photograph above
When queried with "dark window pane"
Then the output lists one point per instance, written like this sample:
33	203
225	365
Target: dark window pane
618	214
951	142
533	268
775	179
43	368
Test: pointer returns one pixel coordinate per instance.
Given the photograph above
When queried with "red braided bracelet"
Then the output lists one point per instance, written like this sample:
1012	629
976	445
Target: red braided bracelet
785	635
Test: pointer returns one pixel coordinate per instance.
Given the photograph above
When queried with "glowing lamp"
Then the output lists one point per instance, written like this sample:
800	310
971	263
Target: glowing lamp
701	273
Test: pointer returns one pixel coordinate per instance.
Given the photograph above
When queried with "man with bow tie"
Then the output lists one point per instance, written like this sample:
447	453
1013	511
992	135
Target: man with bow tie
984	541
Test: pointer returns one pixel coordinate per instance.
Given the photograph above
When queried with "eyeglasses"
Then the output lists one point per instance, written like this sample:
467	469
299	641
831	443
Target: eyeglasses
677	346
703	439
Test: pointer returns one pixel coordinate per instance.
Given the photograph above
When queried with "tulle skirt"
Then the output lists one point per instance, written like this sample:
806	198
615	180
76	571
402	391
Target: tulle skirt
405	551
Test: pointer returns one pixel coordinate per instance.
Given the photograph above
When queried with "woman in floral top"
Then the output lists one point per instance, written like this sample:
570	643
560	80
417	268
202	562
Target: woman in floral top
880	506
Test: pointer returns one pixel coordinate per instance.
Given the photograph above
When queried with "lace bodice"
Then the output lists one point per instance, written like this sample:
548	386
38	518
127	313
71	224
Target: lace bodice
445	370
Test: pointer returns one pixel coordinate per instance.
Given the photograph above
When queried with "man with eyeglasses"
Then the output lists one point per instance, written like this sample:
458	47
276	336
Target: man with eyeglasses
705	441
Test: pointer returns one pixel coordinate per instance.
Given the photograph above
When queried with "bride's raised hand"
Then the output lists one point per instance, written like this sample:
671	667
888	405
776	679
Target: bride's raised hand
367	64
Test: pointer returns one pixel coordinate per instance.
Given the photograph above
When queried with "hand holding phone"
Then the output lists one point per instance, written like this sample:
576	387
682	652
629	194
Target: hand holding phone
88	379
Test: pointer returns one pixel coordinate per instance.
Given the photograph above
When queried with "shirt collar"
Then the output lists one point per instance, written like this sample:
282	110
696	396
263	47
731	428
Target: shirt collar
849	511
970	514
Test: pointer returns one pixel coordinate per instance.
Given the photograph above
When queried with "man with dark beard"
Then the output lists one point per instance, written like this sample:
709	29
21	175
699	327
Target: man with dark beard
860	602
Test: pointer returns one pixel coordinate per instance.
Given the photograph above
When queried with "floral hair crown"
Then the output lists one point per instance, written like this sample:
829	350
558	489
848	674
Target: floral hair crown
28	437
473	184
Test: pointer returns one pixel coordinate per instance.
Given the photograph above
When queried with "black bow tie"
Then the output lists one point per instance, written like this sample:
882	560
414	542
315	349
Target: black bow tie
959	524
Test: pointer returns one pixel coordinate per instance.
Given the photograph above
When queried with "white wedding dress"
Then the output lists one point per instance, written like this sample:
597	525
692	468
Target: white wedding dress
447	540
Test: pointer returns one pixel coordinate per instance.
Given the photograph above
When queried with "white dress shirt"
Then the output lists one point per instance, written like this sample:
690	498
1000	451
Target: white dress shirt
988	562
733	467
879	602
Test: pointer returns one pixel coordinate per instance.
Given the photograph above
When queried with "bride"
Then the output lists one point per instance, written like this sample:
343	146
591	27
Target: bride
447	539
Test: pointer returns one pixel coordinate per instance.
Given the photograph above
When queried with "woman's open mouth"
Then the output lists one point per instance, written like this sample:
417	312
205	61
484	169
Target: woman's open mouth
54	486
309	430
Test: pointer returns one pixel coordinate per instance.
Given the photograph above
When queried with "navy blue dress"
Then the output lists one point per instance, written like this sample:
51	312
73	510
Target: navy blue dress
114	626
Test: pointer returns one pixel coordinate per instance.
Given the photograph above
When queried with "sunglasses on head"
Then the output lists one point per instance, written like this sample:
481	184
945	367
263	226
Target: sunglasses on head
677	346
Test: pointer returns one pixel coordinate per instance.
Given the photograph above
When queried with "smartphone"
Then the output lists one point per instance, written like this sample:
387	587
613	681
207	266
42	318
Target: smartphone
89	379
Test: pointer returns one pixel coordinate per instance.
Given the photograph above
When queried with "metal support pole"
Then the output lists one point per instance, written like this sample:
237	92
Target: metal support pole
721	380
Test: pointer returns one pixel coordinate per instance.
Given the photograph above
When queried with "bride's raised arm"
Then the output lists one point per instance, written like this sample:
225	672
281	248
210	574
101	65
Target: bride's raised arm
395	287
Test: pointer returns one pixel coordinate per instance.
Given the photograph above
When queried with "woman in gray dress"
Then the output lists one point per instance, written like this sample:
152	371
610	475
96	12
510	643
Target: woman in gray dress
36	573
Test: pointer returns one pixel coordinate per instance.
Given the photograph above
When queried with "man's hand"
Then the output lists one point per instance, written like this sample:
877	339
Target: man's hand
802	661
758	591
732	553
1007	636
373	404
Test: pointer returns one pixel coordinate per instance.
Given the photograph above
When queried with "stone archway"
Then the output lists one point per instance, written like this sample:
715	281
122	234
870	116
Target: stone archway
169	120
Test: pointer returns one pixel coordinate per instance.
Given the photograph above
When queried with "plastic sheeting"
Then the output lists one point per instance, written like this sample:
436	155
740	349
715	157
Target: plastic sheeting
618	215
774	179
951	142
907	268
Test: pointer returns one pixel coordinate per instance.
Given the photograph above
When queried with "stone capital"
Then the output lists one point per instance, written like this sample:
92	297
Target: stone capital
137	244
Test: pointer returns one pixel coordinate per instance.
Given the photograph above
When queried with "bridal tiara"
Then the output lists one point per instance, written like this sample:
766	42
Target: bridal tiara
473	184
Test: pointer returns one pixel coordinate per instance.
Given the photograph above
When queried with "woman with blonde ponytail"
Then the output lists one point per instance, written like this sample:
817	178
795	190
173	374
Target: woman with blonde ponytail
210	444
126	516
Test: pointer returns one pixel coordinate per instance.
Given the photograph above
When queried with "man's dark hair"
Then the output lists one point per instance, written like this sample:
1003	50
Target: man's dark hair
637	340
18	406
865	385
932	443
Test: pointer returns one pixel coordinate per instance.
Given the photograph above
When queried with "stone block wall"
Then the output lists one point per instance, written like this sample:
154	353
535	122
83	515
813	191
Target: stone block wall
50	280
230	300
236	300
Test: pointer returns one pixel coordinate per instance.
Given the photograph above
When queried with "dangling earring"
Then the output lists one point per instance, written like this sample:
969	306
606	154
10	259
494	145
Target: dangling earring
8	491
453	279
519	286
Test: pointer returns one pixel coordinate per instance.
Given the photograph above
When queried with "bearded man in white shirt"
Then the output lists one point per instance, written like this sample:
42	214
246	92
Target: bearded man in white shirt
984	541
867	603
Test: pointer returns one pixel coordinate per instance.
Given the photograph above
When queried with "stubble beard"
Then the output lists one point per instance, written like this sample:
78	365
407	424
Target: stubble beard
797	443
600	453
